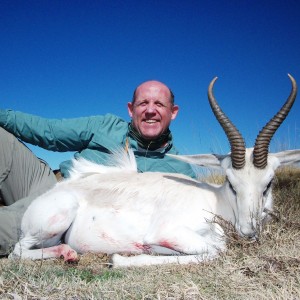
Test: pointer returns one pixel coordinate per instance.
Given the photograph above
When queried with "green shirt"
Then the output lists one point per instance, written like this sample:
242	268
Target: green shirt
92	138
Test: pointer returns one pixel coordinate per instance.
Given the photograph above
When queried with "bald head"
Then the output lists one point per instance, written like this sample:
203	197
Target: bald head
154	84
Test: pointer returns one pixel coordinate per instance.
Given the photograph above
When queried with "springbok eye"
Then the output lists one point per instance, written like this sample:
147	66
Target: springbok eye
231	187
267	188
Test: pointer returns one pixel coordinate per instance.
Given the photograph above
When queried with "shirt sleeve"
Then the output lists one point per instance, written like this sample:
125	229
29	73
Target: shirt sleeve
54	134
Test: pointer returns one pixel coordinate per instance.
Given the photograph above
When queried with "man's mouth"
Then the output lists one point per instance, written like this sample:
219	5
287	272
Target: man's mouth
151	121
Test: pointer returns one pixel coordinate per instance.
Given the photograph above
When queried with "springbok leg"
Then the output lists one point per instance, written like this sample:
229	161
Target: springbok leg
43	225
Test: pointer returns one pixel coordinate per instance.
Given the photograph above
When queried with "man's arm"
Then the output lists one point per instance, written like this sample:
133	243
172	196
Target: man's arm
52	134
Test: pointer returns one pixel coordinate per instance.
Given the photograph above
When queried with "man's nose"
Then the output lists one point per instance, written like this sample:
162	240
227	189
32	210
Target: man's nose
151	108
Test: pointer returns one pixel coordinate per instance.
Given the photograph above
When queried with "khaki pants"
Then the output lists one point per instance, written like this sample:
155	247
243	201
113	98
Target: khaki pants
23	177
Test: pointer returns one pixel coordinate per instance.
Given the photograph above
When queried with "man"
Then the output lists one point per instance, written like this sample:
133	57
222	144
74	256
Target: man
23	176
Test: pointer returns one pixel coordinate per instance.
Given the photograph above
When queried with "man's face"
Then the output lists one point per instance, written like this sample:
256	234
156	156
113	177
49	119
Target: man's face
152	110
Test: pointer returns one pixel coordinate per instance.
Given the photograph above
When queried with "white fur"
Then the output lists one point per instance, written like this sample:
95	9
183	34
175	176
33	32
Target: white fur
120	161
114	209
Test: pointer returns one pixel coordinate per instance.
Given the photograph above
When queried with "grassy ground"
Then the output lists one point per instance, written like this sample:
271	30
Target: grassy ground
266	269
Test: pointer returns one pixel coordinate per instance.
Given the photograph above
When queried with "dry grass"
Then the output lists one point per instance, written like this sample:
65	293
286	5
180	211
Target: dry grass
265	269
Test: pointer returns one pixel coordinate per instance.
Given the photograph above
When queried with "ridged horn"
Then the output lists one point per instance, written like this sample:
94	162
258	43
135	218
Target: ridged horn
237	143
261	147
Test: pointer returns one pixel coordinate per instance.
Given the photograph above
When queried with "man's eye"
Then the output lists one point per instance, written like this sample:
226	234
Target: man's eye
160	104
141	104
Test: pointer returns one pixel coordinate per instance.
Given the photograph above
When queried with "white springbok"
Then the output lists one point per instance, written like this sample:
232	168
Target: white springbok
116	210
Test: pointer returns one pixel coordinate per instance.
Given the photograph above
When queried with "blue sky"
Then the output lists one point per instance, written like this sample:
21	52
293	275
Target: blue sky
66	59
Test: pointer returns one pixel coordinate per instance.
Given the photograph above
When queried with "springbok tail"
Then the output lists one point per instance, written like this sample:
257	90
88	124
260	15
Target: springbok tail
120	161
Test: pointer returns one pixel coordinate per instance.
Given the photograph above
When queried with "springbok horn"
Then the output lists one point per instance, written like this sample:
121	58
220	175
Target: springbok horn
237	143
261	147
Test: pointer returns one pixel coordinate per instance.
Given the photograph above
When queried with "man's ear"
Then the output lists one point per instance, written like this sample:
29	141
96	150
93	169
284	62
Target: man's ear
175	110
130	108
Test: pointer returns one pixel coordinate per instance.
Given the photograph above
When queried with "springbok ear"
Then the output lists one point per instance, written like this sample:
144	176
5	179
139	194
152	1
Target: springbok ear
202	160
287	157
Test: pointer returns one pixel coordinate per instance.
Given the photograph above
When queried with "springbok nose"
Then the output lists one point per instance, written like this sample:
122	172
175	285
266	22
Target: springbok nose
249	235
252	236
